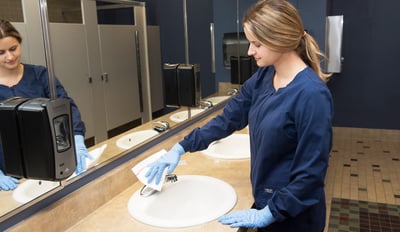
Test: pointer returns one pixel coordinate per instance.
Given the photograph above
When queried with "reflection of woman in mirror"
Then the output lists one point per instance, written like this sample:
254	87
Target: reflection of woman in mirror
31	81
288	109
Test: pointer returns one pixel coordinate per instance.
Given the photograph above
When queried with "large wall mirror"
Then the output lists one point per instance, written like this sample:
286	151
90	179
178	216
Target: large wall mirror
110	60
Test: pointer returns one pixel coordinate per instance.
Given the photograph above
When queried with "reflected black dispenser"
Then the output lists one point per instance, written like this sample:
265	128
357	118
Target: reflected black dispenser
242	68
9	136
189	85
234	44
46	141
171	84
182	84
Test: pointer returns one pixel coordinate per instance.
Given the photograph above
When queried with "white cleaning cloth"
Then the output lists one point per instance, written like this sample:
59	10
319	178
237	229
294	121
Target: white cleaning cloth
141	169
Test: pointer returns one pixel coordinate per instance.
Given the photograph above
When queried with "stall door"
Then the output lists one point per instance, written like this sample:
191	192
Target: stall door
120	74
71	66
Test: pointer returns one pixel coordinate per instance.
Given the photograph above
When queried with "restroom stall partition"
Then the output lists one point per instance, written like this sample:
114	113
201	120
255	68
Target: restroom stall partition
120	97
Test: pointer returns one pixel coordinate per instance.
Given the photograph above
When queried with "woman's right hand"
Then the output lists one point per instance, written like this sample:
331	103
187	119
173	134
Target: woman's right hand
170	160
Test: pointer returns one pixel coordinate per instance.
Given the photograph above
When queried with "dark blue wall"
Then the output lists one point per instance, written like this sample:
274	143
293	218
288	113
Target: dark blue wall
313	14
169	16
366	93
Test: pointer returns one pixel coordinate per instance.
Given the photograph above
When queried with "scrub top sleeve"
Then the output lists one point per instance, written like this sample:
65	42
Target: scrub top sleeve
233	117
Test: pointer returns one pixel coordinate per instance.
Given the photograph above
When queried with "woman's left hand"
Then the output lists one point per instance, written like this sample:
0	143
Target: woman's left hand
81	154
251	218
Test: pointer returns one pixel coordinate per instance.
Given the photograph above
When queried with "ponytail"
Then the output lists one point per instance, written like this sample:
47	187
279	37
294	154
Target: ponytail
310	53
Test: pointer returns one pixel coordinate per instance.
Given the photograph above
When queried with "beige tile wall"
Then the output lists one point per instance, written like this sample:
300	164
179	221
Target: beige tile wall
11	10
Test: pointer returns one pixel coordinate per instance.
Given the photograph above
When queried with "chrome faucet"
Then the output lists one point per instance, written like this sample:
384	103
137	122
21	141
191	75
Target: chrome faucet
205	104
146	191
233	91
160	126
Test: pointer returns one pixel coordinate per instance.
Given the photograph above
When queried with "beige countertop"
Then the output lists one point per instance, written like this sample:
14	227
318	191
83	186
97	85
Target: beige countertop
114	215
102	204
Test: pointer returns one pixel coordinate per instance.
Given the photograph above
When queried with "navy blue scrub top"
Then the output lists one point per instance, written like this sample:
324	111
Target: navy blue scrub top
290	141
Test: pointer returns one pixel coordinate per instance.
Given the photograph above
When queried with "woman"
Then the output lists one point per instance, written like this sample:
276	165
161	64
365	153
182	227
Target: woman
30	81
288	108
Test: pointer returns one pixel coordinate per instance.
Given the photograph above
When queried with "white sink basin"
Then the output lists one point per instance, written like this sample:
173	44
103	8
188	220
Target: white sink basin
218	99
192	200
31	189
130	140
235	146
183	115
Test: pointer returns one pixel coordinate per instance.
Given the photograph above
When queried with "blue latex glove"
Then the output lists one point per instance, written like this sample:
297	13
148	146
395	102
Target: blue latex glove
7	182
251	218
170	160
81	153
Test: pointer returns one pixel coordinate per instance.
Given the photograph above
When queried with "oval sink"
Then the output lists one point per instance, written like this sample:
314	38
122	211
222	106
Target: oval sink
217	99
183	115
31	189
192	200
235	146
130	140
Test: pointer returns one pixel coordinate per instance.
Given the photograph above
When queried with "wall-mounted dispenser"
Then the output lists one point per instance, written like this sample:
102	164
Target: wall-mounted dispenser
333	43
234	44
9	136
171	84
182	84
242	68
189	85
41	144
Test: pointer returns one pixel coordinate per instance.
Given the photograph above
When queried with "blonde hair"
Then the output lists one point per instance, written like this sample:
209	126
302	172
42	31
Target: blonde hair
277	25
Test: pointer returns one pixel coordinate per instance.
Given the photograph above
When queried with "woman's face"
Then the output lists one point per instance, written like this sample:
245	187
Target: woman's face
10	53
262	54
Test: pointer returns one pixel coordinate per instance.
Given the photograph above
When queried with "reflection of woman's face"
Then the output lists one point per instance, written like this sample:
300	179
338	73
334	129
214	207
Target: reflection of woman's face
10	53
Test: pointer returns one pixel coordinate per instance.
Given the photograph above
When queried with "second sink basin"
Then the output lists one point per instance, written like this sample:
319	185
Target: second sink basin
217	99
235	146
192	200
31	189
130	140
183	115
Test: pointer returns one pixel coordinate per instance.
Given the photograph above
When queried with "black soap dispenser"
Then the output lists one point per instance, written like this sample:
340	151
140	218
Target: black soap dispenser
37	138
189	85
171	84
9	137
47	138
